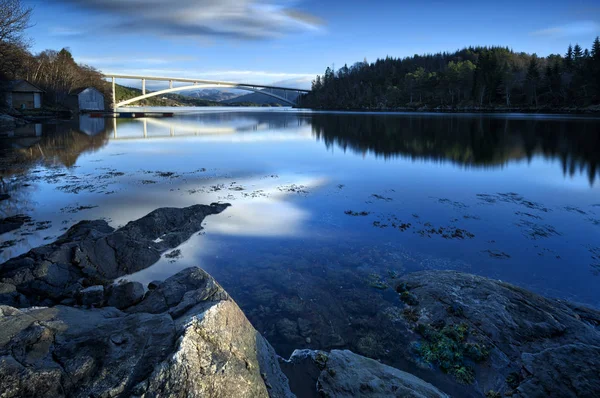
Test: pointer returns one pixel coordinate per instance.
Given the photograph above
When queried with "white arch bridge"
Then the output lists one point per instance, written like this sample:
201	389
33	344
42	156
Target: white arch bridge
199	84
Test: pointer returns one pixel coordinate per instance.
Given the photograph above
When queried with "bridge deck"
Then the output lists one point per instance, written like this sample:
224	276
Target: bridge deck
201	81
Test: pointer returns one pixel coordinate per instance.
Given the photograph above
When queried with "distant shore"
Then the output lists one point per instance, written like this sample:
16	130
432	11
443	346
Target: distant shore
589	110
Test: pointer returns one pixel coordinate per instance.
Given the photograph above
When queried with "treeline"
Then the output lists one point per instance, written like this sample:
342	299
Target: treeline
471	77
56	72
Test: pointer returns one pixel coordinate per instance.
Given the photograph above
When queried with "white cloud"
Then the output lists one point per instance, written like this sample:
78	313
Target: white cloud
576	29
201	19
64	31
139	60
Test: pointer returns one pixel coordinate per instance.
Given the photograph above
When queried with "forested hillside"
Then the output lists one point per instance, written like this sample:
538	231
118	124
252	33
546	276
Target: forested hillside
124	93
471	77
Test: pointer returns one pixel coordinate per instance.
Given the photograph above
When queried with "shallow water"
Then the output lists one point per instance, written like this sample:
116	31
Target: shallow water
328	210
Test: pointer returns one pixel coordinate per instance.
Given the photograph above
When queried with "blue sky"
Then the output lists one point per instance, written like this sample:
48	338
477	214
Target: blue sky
288	41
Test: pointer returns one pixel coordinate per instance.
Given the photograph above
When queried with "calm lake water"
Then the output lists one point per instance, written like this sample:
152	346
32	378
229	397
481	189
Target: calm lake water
328	210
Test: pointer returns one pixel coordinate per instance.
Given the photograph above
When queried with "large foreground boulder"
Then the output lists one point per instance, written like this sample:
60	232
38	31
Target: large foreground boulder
93	253
199	345
499	338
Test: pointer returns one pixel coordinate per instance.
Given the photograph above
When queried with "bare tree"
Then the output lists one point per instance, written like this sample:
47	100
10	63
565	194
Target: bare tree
14	19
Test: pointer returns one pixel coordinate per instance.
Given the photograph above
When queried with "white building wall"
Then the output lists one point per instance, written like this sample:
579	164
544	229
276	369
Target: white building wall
37	100
91	99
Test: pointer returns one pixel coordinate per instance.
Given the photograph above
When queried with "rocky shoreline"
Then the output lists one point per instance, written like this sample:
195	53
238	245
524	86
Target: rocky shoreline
67	329
13	119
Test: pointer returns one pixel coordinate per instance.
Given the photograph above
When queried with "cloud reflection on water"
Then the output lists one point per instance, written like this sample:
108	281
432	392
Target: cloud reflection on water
271	215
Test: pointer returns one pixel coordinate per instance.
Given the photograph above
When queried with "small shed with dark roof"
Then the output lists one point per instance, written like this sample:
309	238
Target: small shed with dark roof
20	94
86	99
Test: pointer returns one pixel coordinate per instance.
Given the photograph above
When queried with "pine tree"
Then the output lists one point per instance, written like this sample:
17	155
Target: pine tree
577	54
533	78
569	58
596	50
316	84
594	63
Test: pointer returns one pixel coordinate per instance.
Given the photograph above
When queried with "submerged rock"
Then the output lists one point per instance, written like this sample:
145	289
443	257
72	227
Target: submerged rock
93	253
341	373
11	223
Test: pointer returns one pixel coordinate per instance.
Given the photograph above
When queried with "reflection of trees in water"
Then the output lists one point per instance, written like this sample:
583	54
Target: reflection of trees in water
58	145
475	141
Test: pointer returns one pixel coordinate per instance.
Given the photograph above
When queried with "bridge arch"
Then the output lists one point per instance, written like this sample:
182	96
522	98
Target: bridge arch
201	86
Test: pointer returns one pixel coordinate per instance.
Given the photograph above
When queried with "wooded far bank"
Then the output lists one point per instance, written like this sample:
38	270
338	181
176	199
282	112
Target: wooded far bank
474	77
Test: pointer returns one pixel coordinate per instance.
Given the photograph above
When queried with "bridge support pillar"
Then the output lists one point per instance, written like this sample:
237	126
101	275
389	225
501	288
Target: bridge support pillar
114	95
170	83
143	86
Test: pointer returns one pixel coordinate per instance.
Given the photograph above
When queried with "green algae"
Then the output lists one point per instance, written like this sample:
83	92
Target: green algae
446	347
377	282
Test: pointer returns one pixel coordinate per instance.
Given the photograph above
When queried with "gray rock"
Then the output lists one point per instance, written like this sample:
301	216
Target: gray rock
94	252
199	345
92	296
345	374
125	294
181	292
153	285
219	354
350	375
10	296
537	346
65	351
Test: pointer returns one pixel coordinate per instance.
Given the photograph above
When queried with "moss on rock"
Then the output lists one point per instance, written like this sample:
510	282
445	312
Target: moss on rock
446	346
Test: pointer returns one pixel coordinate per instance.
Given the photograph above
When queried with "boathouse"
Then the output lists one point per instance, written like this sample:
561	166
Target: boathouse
20	94
86	99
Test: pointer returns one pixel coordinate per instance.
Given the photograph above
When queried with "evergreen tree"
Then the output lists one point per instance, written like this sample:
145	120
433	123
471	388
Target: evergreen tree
533	78
471	76
595	66
577	55
569	58
316	84
596	50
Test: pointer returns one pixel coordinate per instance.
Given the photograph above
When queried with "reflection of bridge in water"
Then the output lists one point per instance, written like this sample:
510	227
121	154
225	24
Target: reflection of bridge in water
277	92
153	128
